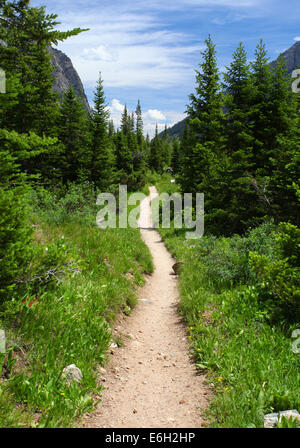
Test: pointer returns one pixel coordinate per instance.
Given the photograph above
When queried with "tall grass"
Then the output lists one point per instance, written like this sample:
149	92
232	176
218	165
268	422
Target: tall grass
246	355
80	278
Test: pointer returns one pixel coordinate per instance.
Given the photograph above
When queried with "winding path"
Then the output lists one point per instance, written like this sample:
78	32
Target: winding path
151	382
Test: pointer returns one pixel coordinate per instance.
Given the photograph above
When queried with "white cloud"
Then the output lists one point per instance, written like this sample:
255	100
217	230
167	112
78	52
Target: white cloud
155	115
182	4
116	110
130	48
297	38
151	118
132	44
116	106
100	53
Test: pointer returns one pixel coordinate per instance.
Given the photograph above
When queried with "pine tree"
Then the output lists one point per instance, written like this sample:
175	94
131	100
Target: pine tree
111	129
205	112
125	122
189	163
166	149
155	159
282	177
264	133
28	33
124	159
73	132
15	233
102	157
139	125
238	102
176	155
205	125
132	123
241	203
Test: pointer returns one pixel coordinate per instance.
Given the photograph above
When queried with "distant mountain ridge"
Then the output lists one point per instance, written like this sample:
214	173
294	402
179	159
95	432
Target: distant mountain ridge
292	58
66	75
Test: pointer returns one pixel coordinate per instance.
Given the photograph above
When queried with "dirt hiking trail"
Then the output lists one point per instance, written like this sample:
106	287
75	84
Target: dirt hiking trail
151	382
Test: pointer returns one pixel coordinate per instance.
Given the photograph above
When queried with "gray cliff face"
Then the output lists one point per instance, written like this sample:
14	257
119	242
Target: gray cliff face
291	57
66	75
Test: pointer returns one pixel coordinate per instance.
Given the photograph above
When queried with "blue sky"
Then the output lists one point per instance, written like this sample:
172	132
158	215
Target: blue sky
148	49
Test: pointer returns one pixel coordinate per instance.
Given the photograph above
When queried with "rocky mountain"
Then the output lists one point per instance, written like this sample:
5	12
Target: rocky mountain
66	75
176	130
292	58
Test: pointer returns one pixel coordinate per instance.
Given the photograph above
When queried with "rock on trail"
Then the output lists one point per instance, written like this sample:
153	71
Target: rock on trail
151	381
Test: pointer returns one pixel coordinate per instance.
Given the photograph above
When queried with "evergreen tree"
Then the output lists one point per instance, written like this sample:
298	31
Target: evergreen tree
205	126
36	156
124	159
189	162
155	159
125	122
166	149
176	155
28	33
238	102
241	203
132	123
102	157
205	112
282	178
15	233
139	125
111	129
73	132
263	130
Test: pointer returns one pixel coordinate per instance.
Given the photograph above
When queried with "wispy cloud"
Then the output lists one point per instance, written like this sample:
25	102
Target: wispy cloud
130	50
133	44
155	115
148	49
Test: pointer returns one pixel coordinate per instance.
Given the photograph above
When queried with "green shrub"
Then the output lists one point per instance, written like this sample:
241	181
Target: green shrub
247	358
226	260
15	233
77	202
280	276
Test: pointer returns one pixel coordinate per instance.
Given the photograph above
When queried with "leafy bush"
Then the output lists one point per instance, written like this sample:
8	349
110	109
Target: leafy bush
280	277
77	202
247	359
226	260
51	263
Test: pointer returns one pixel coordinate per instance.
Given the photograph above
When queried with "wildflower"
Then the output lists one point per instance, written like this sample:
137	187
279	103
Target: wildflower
62	394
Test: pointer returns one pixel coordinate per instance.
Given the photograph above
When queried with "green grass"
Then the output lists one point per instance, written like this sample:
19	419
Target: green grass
247	358
69	322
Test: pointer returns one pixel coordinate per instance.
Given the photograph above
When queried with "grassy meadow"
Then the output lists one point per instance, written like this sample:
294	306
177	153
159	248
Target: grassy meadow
238	339
79	279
